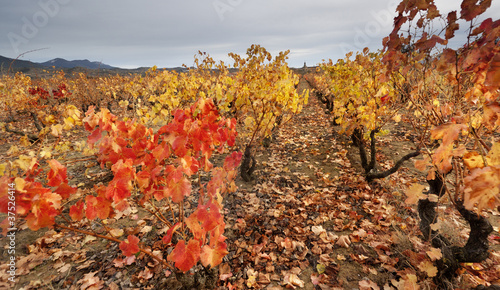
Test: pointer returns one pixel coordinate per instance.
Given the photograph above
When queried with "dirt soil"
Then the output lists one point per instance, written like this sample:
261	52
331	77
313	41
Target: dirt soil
308	220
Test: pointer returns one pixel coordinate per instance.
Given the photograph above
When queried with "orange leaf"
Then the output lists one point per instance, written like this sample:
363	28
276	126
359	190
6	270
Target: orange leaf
130	246
97	207
76	211
179	145
178	189
422	164
168	237
44	210
194	224
448	132
118	189
143	178
493	156
442	157
189	164
483	187
57	173
185	257
473	160
491	115
64	190
213	256
493	73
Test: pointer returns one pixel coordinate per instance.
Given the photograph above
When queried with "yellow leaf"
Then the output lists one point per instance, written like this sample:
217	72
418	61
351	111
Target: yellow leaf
493	157
24	162
397	118
69	123
20	184
320	268
123	103
3	168
473	160
252	278
50	119
24	141
45	154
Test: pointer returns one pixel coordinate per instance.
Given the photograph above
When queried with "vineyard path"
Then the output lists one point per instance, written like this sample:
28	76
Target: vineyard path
305	185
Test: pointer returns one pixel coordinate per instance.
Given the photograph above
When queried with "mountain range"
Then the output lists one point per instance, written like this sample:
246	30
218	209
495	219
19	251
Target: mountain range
58	63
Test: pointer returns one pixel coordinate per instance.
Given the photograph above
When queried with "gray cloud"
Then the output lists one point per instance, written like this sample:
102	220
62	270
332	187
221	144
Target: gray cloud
130	33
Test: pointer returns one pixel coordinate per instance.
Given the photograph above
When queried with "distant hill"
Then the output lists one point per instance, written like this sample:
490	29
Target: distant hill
6	62
58	63
85	63
93	68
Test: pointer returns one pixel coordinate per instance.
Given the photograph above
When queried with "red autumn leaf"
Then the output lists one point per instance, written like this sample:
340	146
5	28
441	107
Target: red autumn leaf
143	178
189	164
185	257
213	256
57	173
124	169
452	25
95	136
425	44
210	216
44	208
385	98
76	212
195	225
472	8
122	205
493	72
97	207
118	189
168	237
137	132
130	245
232	161
177	190
4	192
161	152
64	190
179	145
206	106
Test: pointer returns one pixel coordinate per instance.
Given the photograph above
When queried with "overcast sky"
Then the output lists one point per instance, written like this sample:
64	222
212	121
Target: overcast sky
168	33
